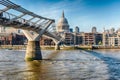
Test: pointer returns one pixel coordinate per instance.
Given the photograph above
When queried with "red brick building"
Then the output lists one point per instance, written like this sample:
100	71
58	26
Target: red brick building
11	39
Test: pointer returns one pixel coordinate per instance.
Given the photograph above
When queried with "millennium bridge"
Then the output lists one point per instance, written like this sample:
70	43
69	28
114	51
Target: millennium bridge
33	28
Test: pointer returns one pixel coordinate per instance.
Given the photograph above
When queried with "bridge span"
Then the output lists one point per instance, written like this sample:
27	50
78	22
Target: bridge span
33	28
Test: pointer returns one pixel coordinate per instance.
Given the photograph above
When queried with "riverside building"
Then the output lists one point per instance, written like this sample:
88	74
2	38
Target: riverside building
111	38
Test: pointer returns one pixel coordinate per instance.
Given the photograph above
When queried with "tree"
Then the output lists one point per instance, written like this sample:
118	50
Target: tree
100	43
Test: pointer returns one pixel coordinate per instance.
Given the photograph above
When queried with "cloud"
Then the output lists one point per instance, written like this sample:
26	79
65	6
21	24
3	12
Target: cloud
55	9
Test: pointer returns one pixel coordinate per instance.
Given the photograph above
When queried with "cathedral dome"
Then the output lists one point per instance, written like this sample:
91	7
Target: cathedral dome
62	25
62	20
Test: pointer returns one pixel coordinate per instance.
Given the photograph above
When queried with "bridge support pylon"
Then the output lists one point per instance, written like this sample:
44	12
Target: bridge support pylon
33	51
57	44
57	47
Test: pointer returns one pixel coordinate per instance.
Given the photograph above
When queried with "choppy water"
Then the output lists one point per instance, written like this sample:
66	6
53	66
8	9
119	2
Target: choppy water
63	65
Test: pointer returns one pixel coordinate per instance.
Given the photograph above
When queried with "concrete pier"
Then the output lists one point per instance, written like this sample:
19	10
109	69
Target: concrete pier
33	51
57	47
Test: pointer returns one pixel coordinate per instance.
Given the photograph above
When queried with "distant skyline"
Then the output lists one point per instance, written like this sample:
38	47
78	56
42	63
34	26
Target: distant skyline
82	13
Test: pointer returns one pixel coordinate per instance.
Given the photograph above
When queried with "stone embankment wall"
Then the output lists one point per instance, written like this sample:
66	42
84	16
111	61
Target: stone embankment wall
23	47
13	47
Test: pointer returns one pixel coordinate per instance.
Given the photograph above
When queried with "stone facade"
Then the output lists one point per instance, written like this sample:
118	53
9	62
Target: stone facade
111	39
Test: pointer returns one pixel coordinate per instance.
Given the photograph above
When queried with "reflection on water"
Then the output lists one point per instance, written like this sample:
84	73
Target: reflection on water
33	70
61	65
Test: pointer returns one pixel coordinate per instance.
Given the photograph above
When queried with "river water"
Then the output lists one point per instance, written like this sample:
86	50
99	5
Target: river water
61	65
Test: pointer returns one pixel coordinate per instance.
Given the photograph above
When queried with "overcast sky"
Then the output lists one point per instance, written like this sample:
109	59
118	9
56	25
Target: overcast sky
82	13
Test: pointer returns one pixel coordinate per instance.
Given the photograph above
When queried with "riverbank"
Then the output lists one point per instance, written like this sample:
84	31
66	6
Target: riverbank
23	47
105	47
13	47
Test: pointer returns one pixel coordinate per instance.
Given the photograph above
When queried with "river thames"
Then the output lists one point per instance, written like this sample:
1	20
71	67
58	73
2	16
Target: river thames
61	65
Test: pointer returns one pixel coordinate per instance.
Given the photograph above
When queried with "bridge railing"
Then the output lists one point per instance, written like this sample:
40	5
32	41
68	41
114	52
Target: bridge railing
5	16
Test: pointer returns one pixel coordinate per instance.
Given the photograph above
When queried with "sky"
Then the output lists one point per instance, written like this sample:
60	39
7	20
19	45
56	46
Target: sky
82	13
